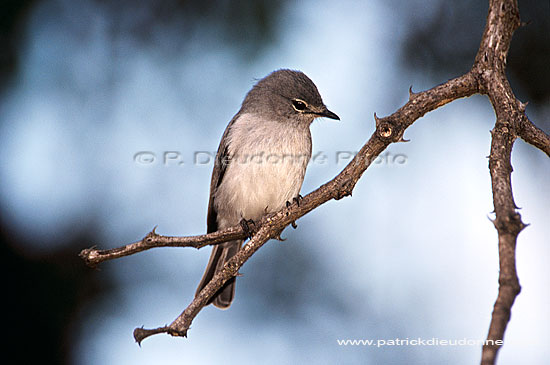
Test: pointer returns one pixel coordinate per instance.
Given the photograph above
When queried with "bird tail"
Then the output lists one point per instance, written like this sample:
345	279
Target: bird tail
220	255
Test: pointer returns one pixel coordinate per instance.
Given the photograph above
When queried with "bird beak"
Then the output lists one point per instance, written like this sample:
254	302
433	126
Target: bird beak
328	114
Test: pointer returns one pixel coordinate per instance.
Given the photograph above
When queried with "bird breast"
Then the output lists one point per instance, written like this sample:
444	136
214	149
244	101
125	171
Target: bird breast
267	168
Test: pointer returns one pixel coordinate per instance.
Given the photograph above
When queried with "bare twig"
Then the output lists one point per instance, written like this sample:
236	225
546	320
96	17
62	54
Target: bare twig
94	257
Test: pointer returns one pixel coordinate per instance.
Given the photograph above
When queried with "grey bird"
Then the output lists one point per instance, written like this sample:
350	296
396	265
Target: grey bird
261	161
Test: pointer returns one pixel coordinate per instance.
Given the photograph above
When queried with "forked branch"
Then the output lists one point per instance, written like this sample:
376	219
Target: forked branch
488	77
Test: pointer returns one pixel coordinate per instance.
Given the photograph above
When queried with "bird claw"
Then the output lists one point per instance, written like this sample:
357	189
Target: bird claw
247	224
296	199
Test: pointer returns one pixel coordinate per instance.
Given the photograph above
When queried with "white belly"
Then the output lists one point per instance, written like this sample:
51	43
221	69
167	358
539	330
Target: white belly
267	169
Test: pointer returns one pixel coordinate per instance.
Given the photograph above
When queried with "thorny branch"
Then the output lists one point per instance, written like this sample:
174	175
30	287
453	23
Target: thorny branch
490	65
487	76
94	257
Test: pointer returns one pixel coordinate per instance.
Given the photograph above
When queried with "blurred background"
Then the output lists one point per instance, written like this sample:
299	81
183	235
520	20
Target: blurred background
110	112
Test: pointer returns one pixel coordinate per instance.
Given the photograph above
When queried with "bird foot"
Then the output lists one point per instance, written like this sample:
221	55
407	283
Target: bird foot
249	227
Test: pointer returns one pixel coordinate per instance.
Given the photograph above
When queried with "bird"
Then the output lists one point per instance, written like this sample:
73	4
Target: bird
261	162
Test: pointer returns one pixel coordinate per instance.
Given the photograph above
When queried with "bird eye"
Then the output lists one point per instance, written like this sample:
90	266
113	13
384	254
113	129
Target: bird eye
299	105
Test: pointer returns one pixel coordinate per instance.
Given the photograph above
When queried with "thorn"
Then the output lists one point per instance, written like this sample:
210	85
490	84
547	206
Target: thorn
404	140
294	225
411	93
151	235
523	106
524	24
280	239
376	119
492	221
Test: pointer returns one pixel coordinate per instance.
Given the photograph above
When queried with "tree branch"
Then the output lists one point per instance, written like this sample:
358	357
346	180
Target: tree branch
94	257
490	65
388	130
531	134
488	77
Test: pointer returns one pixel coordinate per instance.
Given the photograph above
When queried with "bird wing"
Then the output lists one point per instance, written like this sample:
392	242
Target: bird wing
221	164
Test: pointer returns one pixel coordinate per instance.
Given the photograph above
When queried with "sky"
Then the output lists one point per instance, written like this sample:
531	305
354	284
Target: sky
121	134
